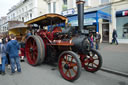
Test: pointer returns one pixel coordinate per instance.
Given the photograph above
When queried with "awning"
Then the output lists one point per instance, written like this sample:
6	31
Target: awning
48	19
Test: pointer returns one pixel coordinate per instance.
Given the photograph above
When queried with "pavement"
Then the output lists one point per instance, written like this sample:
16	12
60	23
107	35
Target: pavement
115	58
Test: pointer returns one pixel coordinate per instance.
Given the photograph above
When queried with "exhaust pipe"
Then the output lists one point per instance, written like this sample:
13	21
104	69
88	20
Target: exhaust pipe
80	10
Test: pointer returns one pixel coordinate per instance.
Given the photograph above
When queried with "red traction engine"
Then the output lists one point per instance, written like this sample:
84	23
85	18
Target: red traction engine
71	51
69	47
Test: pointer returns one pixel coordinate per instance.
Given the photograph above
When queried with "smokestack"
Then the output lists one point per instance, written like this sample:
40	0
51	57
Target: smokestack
80	8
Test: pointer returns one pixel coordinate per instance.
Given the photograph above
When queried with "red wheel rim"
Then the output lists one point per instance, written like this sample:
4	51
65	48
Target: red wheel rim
68	66
31	50
91	63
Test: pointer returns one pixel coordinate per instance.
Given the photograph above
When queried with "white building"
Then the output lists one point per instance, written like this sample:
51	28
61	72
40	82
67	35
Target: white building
3	24
119	12
28	9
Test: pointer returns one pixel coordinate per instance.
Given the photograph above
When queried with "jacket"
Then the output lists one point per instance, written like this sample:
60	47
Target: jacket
2	50
13	48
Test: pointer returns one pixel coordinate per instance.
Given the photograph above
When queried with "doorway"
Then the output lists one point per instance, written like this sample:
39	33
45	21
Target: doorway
105	32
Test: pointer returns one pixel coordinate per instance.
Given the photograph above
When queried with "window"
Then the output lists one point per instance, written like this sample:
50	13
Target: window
65	2
104	1
86	3
122	27
30	15
64	7
54	7
125	30
49	7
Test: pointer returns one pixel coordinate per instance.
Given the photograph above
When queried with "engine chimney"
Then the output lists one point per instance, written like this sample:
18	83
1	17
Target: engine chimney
80	8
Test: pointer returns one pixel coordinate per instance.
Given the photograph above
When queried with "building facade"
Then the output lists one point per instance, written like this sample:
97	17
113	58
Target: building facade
120	19
3	24
26	10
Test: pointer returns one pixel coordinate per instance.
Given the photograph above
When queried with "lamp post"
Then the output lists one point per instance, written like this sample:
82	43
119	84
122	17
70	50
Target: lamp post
80	10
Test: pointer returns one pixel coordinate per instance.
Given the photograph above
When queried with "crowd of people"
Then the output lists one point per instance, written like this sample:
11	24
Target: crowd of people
9	53
96	39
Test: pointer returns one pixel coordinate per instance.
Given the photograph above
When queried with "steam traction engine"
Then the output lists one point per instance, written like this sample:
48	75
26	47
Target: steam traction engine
69	46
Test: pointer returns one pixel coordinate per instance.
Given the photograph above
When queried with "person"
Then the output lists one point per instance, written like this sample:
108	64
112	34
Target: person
114	37
28	34
98	37
22	50
13	50
3	54
7	55
91	40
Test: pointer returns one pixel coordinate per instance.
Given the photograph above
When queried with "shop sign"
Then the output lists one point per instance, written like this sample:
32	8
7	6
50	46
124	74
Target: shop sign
87	21
68	12
125	13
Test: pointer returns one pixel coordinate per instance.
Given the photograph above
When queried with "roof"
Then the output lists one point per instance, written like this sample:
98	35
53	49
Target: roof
48	19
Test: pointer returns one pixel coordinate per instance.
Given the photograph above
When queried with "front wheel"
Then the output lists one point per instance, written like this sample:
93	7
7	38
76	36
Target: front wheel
93	61
69	65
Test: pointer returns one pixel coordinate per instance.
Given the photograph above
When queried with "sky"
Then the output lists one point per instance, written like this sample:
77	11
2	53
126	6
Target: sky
5	5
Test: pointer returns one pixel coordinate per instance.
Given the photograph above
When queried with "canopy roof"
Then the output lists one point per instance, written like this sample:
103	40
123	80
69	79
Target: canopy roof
48	19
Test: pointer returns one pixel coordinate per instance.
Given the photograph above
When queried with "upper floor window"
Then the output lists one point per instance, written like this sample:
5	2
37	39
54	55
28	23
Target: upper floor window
49	7
86	2
104	1
65	2
54	7
64	7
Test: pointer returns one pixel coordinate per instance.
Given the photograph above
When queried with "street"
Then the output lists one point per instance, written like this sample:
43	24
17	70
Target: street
44	75
115	56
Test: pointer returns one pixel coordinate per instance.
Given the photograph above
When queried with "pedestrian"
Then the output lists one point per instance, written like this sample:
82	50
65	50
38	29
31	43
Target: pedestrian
98	37
13	50
28	34
22	50
3	54
114	37
7	55
91	40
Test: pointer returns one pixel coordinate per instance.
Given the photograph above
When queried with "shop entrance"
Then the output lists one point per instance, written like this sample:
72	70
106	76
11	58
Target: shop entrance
105	32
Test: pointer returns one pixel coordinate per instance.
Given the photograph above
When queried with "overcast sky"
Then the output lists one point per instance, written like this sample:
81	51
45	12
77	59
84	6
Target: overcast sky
5	5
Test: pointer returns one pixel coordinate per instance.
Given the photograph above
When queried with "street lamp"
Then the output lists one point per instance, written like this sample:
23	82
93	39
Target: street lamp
80	10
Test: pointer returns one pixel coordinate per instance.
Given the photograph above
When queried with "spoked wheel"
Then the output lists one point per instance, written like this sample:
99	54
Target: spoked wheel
69	65
93	61
33	50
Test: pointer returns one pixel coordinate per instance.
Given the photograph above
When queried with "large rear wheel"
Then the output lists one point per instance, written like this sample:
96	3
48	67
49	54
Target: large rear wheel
33	50
69	65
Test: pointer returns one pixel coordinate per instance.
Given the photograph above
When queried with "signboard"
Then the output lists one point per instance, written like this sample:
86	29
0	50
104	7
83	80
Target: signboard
68	12
122	13
125	13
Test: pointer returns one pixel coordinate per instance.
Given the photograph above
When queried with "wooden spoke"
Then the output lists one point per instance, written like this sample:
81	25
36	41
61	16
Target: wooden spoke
70	74
73	64
66	72
95	64
74	71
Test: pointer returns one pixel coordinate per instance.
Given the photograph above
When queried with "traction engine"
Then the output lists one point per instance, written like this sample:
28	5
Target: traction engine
69	47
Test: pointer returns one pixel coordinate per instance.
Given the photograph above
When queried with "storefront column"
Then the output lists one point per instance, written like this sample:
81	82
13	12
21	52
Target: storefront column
113	22
100	28
97	23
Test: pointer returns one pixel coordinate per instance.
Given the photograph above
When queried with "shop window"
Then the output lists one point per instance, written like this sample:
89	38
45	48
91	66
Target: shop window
125	31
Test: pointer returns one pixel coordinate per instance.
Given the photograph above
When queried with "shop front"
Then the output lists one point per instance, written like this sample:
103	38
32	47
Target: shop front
91	22
122	26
